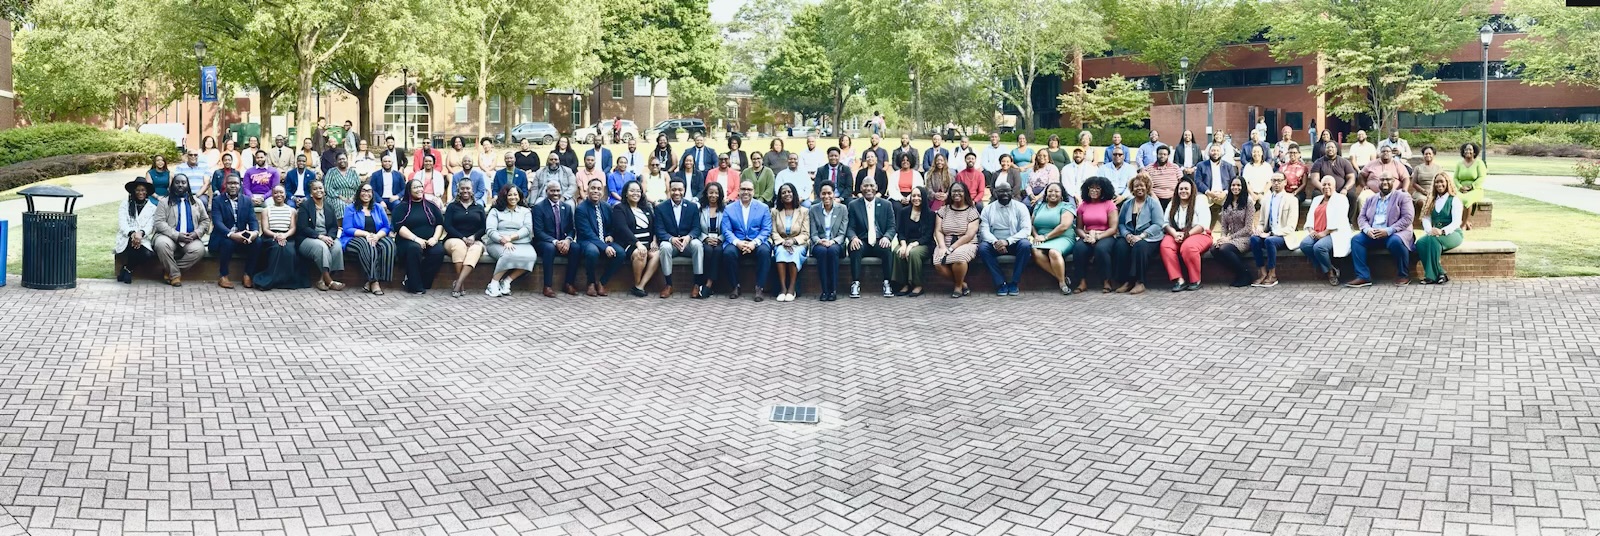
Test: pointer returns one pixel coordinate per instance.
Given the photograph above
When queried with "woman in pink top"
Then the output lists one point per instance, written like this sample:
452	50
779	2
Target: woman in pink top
1042	173
1097	231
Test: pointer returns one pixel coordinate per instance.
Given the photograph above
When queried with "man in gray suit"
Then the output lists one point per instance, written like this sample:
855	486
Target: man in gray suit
871	231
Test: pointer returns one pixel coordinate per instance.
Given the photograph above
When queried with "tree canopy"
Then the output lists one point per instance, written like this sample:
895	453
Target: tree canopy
1562	46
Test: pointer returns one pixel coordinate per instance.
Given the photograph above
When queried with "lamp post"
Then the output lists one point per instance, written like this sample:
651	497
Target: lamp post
199	101
1183	93
916	102
1485	36
1210	102
405	120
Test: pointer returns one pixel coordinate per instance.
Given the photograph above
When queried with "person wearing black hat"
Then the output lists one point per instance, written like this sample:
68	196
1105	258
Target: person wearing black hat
135	228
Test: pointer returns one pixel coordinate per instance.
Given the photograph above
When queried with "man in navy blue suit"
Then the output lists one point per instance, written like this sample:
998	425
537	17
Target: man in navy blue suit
592	223
552	236
233	227
678	231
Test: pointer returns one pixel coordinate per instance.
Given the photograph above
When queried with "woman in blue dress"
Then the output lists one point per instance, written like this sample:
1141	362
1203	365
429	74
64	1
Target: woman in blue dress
791	233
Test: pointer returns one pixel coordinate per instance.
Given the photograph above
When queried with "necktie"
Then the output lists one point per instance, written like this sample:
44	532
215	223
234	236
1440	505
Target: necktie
187	223
599	227
872	224
556	209
1272	212
833	175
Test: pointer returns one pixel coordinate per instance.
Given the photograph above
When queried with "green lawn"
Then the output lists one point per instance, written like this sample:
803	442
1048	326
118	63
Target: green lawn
1542	249
1518	165
12	193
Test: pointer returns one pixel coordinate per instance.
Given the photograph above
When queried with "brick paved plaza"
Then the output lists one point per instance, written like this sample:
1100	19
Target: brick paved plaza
1468	409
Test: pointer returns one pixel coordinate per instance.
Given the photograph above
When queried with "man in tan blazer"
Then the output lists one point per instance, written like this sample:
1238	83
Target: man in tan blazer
182	225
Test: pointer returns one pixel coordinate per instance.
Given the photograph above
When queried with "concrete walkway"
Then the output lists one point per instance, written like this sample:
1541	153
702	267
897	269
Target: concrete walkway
97	189
1554	190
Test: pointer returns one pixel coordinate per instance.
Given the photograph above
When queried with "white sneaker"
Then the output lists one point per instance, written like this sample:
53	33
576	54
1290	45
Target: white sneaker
855	289
887	292
788	297
505	287
494	289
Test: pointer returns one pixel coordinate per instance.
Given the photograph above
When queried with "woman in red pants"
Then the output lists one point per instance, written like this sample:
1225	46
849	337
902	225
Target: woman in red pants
1188	235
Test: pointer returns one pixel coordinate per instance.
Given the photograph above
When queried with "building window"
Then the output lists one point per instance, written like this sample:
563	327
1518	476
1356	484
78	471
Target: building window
525	112
461	111
1472	70
406	116
1294	120
1469	118
549	110
1273	76
616	88
494	110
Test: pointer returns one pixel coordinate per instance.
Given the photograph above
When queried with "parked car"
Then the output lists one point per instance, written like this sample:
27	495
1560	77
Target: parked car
689	126
602	130
538	132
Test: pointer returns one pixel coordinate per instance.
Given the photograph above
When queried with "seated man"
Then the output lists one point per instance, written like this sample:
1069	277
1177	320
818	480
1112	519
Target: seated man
552	236
746	231
480	183
233	227
260	179
1385	222
678	230
1003	229
181	223
592	224
871	231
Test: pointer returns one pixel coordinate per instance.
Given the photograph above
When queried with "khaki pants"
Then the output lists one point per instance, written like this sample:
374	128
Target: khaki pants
461	253
175	258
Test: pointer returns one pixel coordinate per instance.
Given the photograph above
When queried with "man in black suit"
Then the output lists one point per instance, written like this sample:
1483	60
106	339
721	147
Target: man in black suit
871	231
233	227
834	173
552	235
678	231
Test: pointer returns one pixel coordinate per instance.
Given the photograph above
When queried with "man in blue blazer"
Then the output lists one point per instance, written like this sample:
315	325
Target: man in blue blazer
703	156
233	227
1213	175
678	231
592	223
552	236
746	232
601	154
388	184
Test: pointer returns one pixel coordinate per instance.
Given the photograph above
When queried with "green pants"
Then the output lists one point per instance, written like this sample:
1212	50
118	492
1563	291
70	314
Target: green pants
1430	248
909	269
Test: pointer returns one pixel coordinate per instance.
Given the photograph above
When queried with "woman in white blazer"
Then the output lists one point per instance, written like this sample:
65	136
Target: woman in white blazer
1274	221
136	221
1328	231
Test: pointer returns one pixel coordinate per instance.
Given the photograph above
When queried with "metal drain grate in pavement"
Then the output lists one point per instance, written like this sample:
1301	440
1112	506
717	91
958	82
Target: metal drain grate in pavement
799	414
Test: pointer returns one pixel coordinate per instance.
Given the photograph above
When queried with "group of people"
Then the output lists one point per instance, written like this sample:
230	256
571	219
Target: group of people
1120	210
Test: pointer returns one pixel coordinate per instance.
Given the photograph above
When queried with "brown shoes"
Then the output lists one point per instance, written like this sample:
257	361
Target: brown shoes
694	293
570	290
174	281
1124	288
589	291
600	290
248	283
1137	289
224	282
666	292
549	292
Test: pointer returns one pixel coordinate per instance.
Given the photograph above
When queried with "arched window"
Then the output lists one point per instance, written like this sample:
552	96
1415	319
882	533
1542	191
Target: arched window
406	116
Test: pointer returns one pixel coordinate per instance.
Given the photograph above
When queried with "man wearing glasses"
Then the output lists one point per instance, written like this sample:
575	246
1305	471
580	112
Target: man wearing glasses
1119	172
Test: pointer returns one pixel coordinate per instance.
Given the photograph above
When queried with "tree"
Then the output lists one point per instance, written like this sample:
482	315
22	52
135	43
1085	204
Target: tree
693	97
1562	46
1007	45
1350	88
498	47
791	79
755	34
375	49
891	59
957	100
671	40
1348	32
86	58
249	60
1112	101
1160	33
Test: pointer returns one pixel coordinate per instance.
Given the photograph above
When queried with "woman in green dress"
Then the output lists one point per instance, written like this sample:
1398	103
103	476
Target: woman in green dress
1470	173
1058	154
1052	234
341	183
1441	229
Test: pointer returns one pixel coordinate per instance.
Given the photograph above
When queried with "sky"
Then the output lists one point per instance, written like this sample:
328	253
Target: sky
723	10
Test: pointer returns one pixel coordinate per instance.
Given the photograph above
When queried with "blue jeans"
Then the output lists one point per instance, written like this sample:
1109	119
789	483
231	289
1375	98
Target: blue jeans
593	252
730	262
1396	247
1023	250
828	265
1266	250
1319	251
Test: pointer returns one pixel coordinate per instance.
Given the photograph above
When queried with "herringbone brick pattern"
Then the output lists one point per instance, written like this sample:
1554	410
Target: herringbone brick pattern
1467	409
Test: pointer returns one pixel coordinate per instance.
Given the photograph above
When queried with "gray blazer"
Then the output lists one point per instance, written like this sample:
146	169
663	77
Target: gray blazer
839	216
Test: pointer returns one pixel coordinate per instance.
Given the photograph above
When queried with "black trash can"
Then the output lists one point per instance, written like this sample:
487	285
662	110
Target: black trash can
50	240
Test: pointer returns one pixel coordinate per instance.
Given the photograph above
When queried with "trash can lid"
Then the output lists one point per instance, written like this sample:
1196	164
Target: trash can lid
49	190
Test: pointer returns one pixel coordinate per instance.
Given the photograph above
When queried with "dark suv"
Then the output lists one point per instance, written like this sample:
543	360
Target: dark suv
690	126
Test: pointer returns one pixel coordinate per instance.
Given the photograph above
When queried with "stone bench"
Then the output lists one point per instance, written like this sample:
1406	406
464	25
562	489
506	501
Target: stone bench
1473	260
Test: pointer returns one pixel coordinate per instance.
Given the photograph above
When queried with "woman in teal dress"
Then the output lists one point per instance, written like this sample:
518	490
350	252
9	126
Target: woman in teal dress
1470	173
1441	229
1023	153
1052	234
159	175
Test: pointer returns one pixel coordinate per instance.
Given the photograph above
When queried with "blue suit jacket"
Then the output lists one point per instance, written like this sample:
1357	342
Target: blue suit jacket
584	217
545	226
603	158
395	185
353	219
758	229
518	178
1205	182
668	228
704	158
292	180
242	217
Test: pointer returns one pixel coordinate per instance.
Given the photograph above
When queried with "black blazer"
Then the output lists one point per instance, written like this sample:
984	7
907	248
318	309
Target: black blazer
667	229
920	231
883	214
623	226
225	219
879	177
846	185
303	218
545	229
894	159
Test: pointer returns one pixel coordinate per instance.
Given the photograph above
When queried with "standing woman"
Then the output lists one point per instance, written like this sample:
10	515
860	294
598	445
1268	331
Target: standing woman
712	201
342	182
367	235
464	226
317	228
136	222
791	233
846	157
776	157
1097	231
1278	215
957	226
1090	157
938	180
913	225
454	156
1421	187
634	228
1139	227
420	225
829	220
210	156
655	181
1188	233
509	235
229	149
159	175
1470	174
1229	154
435	185
1257	172
737	160
1233	238
1058	154
904	180
1041	174
1441	229
1023	153
758	174
488	160
277	267
1328	231
363	161
1053	237
662	154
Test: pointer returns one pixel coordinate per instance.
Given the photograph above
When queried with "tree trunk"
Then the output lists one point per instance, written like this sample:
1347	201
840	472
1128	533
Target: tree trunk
364	113
652	102
1027	105
305	103
267	99
838	110
483	106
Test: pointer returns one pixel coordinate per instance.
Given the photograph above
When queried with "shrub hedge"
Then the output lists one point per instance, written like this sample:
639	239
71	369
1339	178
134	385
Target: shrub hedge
59	139
1548	137
1131	136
